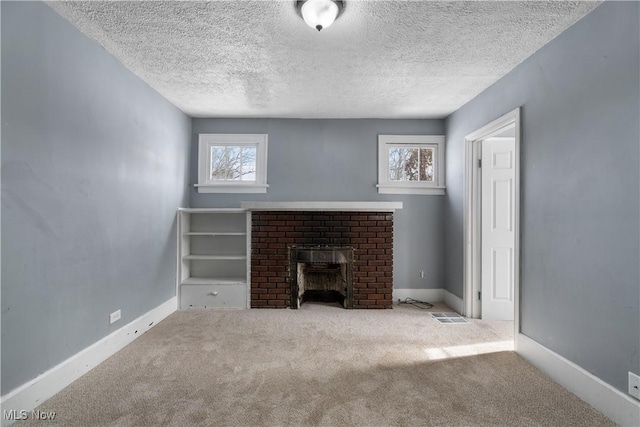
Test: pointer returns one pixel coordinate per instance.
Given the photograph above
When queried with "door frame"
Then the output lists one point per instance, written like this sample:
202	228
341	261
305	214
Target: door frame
472	236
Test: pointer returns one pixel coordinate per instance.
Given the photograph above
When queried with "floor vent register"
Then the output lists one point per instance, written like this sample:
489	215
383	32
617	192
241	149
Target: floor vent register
449	318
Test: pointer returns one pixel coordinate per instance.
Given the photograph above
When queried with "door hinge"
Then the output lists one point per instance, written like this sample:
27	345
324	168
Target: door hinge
479	163
480	296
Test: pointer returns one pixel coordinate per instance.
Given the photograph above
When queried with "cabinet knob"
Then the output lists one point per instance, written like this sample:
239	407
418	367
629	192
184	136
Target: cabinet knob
213	293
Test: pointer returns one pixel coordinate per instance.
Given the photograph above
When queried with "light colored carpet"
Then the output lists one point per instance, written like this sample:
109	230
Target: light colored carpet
320	365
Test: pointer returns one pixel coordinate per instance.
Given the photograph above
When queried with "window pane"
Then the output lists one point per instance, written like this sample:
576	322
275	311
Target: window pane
411	164
218	163
396	164
233	163
426	164
248	171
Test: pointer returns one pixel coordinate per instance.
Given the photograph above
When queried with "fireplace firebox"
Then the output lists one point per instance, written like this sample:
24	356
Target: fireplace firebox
321	273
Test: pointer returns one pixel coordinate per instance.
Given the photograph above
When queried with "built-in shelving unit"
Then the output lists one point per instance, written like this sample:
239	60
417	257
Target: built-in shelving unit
213	261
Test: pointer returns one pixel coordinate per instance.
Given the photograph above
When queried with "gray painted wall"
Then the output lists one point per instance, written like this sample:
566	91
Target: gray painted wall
336	160
580	98
93	169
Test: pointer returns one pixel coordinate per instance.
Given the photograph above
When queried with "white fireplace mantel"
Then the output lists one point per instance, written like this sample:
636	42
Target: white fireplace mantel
323	206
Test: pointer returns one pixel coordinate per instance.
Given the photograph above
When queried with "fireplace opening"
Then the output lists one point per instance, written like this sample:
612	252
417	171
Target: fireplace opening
321	274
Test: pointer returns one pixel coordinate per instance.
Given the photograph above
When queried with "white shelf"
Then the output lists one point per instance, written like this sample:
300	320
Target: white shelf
214	281
214	247
214	257
212	210
206	233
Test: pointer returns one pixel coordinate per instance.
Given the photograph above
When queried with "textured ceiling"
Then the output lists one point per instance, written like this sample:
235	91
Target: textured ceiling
380	59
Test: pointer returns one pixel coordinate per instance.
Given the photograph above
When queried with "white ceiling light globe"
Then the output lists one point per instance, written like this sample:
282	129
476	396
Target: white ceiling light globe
319	14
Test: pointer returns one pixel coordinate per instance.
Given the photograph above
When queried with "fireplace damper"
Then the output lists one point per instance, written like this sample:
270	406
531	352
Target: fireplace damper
321	273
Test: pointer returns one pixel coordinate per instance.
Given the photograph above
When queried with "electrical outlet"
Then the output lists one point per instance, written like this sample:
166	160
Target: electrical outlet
115	316
634	385
422	274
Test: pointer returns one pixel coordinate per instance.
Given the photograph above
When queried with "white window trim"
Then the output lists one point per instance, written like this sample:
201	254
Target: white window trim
385	186
205	185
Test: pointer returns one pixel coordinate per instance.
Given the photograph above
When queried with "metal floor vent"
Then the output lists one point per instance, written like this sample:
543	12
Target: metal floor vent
449	318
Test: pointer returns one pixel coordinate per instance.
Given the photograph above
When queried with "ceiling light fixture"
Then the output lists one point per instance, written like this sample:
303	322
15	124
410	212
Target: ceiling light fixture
319	14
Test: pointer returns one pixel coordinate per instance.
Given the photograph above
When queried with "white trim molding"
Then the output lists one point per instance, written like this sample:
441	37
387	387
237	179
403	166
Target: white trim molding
436	143
206	141
471	232
209	210
35	392
622	409
234	188
426	295
323	206
409	189
429	295
453	301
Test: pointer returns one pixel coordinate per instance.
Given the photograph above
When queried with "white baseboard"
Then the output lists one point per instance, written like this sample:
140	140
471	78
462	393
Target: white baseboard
453	301
427	295
622	409
28	396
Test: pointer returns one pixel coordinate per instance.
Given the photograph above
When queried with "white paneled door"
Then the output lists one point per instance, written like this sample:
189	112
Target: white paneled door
498	221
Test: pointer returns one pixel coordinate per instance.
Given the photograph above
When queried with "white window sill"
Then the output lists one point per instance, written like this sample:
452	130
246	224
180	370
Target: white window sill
232	188
410	189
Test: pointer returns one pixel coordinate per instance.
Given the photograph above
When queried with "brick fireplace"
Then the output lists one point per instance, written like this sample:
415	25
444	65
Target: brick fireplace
370	234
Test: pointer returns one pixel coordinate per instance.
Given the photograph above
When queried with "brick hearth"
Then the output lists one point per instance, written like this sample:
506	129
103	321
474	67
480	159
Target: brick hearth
369	233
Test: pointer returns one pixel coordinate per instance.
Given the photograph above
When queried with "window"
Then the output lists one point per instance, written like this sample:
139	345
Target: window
232	163
411	164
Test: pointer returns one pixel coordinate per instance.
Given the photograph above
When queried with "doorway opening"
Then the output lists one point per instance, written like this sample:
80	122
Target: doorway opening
492	220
